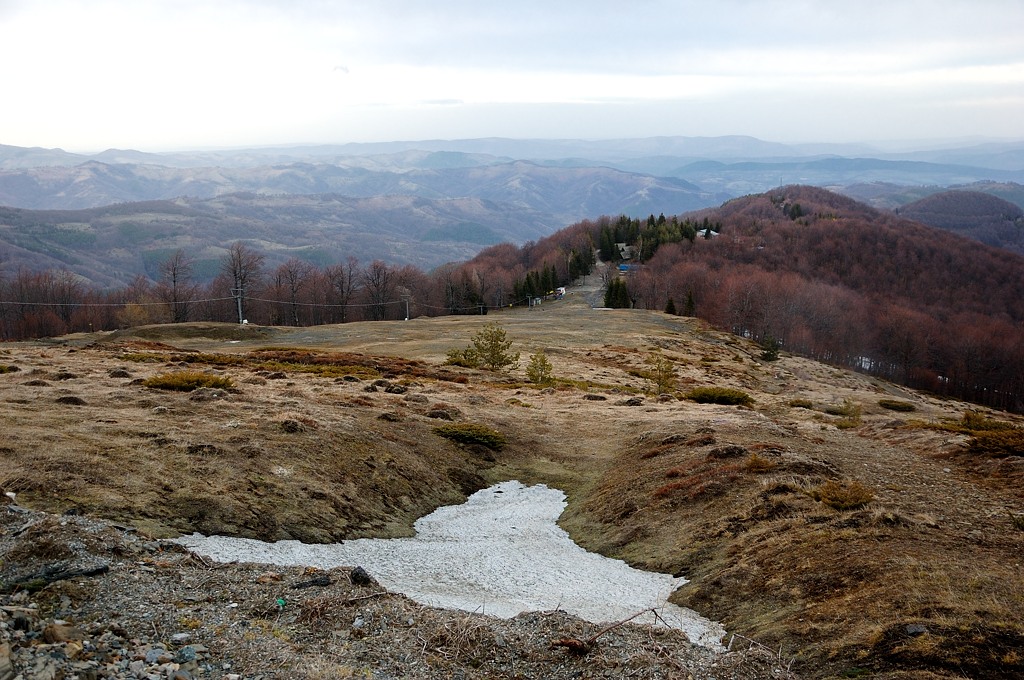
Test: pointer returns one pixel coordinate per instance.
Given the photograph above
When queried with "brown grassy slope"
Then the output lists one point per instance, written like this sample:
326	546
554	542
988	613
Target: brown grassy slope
724	494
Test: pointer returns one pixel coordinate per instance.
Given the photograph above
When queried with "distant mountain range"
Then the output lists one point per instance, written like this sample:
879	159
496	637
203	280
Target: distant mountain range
425	202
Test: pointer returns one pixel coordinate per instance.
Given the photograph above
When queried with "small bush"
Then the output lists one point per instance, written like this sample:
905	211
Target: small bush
847	408
466	358
842	495
850	410
469	433
539	369
758	463
8	368
801	403
897	405
186	381
719	395
1017	521
973	421
662	374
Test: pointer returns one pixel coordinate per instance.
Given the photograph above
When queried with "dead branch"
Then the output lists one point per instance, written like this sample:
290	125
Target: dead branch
582	647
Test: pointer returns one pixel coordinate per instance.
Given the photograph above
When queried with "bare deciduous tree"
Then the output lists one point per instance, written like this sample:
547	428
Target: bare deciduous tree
176	286
243	266
379	283
345	283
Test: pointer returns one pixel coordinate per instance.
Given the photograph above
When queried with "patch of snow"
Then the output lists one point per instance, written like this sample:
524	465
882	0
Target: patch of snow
499	553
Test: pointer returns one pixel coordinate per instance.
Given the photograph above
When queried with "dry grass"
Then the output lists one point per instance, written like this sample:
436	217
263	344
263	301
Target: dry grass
835	588
843	495
186	381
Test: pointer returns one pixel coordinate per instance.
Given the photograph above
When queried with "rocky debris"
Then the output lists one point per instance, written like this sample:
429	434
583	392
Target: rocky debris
595	397
119	373
207	394
108	602
632	401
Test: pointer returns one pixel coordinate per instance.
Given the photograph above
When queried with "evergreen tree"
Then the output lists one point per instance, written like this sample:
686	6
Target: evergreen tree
617	295
539	370
491	348
689	308
670	308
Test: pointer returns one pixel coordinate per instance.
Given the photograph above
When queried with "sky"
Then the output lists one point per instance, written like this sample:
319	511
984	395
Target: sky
164	75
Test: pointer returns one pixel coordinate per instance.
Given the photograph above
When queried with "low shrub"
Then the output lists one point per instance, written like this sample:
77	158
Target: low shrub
467	358
7	368
719	395
758	463
186	381
847	408
850	410
998	443
842	495
973	421
897	405
801	403
469	433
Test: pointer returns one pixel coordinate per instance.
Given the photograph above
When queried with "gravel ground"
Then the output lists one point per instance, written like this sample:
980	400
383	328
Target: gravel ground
86	599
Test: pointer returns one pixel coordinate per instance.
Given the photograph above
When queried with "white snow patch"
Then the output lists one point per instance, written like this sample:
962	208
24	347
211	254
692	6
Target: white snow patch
499	553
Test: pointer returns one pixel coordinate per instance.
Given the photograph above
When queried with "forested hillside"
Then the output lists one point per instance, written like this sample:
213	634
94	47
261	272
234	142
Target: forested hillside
821	275
973	214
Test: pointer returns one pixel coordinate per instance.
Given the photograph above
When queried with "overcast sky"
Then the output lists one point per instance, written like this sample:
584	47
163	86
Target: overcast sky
162	75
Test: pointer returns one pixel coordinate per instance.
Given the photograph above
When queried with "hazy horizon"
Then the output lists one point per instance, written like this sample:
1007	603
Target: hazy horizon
168	76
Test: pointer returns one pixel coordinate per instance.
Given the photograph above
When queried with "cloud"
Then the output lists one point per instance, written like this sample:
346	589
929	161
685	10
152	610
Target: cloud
191	70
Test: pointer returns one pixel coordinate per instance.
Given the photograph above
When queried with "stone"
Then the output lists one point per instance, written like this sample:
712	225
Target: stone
55	633
6	667
915	629
269	577
360	577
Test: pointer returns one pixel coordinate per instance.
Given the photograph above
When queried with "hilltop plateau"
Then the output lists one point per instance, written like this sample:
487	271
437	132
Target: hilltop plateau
852	526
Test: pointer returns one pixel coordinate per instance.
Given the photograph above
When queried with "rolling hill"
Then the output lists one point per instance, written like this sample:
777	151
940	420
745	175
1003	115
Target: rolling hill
976	215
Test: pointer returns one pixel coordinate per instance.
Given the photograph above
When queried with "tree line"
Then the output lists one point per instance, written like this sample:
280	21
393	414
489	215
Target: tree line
296	293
